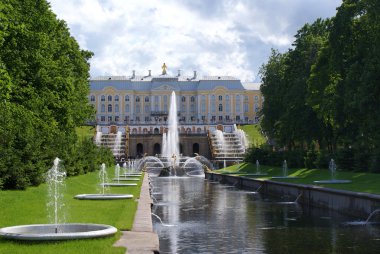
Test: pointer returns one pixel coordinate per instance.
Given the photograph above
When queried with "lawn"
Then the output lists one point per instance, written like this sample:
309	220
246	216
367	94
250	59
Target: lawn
85	132
253	132
361	181
29	207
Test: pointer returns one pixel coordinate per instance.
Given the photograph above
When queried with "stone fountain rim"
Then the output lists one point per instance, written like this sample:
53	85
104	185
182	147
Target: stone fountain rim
107	196
105	230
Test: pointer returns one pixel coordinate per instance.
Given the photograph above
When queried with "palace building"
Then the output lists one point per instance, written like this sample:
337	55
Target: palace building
139	104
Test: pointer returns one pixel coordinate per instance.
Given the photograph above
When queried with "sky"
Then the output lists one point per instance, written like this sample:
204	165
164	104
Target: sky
212	37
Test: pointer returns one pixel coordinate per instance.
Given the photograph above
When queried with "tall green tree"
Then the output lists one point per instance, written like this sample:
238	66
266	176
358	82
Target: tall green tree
43	92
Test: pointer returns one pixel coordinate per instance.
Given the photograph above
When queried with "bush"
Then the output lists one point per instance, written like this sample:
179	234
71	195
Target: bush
345	159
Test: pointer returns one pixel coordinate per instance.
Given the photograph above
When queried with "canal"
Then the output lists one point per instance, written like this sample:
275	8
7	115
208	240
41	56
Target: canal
192	215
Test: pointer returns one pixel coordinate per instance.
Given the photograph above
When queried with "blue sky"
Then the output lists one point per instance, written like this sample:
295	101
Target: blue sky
213	37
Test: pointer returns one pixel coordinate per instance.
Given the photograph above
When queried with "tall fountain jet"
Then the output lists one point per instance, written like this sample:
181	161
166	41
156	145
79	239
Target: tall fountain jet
171	139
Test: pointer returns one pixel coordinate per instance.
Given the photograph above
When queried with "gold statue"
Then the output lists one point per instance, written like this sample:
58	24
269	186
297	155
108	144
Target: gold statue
164	69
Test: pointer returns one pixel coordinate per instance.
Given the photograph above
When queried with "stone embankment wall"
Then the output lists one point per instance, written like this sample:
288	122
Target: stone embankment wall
347	202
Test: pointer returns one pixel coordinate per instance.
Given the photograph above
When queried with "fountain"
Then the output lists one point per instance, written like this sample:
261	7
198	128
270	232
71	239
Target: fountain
56	231
171	147
116	146
102	195
366	222
98	137
104	184
284	172
332	168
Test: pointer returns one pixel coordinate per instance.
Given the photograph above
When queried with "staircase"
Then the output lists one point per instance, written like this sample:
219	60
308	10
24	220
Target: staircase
226	147
116	142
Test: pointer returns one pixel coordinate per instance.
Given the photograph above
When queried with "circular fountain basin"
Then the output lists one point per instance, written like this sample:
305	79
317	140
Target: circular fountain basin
125	179
131	175
103	196
333	181
46	232
119	184
284	177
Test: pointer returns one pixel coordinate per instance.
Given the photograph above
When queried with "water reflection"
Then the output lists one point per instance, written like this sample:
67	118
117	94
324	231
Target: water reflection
210	218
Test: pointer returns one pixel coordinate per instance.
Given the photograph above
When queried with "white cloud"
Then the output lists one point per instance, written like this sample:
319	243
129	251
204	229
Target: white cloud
212	37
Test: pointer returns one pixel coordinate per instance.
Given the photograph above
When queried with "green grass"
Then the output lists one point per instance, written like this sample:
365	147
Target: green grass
361	181
85	132
253	132
29	207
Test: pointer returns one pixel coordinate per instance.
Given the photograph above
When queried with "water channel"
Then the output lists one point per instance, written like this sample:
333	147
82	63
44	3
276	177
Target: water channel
199	216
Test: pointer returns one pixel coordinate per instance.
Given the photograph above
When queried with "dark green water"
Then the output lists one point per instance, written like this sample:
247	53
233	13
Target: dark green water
203	217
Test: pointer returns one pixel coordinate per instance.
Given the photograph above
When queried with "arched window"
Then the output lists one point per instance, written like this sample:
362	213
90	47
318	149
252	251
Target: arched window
156	131
92	98
220	97
137	99
192	99
127	108
103	98
220	107
157	149
256	98
126	98
183	99
146	99
238	103
139	149
103	108
109	97
116	97
117	108
203	103
196	148
109	108
213	103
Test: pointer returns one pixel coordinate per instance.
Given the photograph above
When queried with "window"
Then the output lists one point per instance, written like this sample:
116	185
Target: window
246	107
192	118
165	98
102	118
92	98
192	108
137	99
237	118
220	97
246	98
116	108
183	99
213	103
116	118
103	108
103	98
109	118
116	97
213	118
256	98
147	119
228	107
138	109
109	108
146	99
203	118
126	98
203	103
109	97
127	108
192	99
147	110
166	107
220	107
220	118
227	117
238	103
257	107
137	119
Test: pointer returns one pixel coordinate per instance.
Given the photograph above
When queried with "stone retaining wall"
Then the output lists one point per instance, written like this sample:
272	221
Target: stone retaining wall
347	202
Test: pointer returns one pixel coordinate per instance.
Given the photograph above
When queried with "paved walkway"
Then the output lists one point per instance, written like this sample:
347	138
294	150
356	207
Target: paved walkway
141	239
